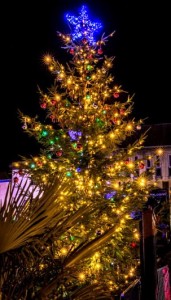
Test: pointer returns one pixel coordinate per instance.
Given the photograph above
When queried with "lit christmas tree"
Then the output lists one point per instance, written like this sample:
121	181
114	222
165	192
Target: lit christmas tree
90	143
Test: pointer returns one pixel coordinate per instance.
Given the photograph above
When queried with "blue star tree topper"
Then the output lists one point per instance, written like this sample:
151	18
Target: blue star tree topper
83	27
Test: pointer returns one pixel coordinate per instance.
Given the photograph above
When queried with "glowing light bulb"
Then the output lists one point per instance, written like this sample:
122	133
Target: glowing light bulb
81	276
63	251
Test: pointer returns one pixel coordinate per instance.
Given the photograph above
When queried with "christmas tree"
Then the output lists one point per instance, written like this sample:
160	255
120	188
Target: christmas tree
89	142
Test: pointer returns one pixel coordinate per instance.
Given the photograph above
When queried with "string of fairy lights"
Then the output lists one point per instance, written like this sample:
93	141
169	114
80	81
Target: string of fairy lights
89	123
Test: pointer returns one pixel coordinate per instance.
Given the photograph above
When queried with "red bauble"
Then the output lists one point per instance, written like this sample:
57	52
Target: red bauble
90	56
133	245
79	146
53	102
71	51
100	51
43	105
127	161
52	117
116	95
59	153
122	111
106	107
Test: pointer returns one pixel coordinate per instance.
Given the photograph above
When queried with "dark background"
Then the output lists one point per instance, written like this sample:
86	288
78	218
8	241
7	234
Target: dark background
28	31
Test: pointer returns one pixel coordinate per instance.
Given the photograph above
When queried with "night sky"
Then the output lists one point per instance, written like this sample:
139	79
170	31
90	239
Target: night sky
140	47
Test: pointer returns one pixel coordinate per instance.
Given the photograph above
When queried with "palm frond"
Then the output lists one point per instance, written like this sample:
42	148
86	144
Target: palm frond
90	247
24	216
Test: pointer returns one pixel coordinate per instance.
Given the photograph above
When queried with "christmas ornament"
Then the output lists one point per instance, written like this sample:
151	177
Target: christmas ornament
39	163
79	147
71	51
138	127
44	133
100	51
25	124
116	95
68	174
83	27
32	165
90	56
133	245
72	238
43	105
53	102
122	111
89	67
59	153
52	117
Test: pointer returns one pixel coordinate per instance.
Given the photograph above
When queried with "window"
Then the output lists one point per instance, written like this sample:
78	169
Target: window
158	167
169	166
148	163
137	169
148	167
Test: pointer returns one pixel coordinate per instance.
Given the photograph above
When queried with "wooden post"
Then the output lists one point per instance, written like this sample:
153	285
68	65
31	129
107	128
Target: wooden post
148	256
